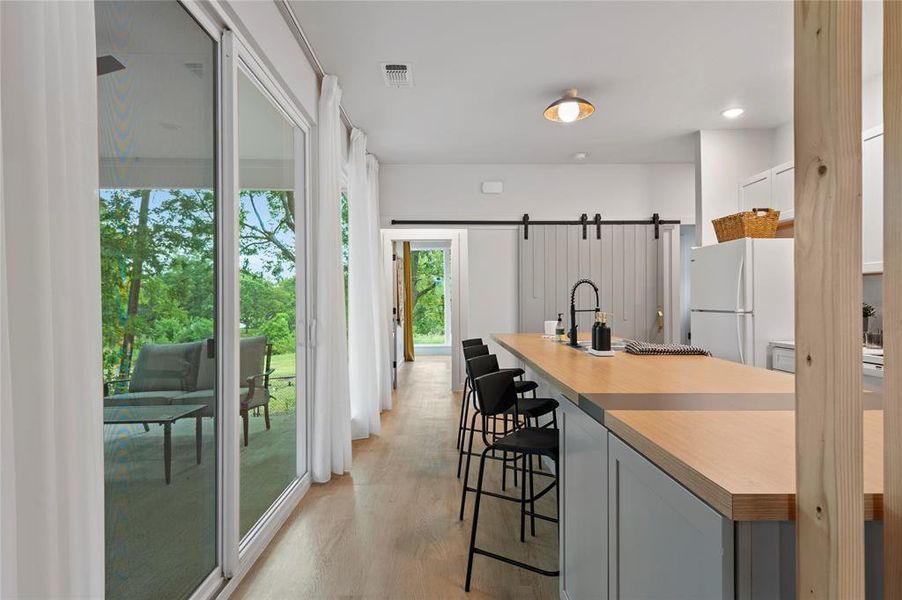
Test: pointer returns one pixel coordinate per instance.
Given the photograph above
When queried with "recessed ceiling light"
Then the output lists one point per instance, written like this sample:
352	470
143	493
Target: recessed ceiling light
580	155
569	108
732	113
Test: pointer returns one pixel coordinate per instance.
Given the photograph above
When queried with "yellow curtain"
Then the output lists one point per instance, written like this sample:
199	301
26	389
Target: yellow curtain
408	306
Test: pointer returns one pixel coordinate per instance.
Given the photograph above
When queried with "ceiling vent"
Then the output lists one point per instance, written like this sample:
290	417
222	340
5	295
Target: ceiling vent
397	75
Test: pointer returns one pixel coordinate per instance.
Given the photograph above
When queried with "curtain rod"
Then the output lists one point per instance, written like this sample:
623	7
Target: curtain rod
301	37
584	220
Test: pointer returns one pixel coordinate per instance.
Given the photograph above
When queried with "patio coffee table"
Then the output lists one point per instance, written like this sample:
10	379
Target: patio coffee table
165	415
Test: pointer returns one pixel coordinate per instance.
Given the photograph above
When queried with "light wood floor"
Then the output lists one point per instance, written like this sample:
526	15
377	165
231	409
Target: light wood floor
389	529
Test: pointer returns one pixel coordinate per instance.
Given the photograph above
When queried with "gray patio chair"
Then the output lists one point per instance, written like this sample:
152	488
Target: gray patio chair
161	372
255	359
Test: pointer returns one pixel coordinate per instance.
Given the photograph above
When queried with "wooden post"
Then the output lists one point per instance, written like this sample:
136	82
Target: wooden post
830	494
892	298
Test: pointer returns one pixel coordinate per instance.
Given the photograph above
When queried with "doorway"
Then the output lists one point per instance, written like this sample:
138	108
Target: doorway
428	275
431	287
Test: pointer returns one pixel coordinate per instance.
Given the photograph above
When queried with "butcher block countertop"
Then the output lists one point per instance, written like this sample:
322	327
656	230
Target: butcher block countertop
576	372
725	431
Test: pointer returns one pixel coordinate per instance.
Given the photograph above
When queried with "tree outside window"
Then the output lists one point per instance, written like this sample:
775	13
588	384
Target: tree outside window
427	270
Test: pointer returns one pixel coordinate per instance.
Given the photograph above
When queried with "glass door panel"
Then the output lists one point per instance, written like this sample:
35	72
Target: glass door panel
270	147
157	116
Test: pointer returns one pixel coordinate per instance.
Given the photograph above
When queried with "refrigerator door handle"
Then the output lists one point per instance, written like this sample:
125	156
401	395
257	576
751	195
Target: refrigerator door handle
740	302
739	323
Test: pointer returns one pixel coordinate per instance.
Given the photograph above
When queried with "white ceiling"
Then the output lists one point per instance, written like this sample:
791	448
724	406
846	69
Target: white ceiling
484	72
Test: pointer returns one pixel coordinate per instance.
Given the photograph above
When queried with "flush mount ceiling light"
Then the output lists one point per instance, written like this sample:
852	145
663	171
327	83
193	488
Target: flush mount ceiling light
580	155
569	108
732	113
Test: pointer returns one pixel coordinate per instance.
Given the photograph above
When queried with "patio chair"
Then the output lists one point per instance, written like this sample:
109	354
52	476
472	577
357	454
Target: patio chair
167	374
161	373
254	371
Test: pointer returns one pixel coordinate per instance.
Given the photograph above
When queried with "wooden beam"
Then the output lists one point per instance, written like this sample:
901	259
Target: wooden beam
892	298
829	419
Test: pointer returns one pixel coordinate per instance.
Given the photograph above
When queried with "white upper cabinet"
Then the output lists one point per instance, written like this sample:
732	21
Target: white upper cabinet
872	200
775	188
783	178
755	192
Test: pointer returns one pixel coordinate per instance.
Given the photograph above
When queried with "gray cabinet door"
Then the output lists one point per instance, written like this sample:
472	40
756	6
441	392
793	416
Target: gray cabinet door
584	518
625	263
664	543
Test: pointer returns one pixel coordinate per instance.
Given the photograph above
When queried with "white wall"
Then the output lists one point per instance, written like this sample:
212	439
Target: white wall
725	158
784	149
543	191
263	26
493	268
871	116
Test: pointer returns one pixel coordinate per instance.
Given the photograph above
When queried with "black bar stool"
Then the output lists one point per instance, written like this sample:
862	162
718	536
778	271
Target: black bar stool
497	395
472	347
528	408
471	352
480	363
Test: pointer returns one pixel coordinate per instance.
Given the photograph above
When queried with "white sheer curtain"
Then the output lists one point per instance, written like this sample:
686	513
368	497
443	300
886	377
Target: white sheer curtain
331	401
370	387
383	287
51	489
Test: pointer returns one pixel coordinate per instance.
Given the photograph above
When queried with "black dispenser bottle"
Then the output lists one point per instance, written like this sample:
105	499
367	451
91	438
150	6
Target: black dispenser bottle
601	333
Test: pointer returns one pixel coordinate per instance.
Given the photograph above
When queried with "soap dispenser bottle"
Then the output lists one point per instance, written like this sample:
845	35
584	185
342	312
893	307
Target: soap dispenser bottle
596	331
601	333
559	328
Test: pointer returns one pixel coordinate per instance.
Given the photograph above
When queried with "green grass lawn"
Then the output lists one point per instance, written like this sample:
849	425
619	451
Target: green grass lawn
282	391
284	364
438	338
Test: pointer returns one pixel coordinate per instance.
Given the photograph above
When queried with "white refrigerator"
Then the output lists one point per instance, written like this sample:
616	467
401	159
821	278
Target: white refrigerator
741	298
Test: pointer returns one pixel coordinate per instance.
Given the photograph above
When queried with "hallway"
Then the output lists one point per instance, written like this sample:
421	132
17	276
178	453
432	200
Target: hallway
389	529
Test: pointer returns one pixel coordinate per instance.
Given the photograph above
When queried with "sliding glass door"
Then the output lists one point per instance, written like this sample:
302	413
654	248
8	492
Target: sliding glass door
271	147
157	98
204	297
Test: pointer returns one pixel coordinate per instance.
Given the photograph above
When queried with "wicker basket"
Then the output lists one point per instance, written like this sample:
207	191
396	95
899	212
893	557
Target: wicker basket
756	223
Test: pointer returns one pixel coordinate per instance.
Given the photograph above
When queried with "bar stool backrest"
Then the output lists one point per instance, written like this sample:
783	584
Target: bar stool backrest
472	342
474	351
482	365
496	392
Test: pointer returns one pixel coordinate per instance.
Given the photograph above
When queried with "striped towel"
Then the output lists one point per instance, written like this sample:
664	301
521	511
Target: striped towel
648	349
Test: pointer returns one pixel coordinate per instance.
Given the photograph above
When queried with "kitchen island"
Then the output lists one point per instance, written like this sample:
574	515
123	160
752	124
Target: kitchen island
678	474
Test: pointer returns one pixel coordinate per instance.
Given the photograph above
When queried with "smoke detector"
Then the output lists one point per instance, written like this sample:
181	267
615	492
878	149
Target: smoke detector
397	75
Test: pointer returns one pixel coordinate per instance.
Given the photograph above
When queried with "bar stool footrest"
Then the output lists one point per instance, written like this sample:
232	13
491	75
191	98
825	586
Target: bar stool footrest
516	563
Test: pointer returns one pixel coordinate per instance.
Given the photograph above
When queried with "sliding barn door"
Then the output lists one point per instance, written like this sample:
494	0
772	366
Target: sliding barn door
637	278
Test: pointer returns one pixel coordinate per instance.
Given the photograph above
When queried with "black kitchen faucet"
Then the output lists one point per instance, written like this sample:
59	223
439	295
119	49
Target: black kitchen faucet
573	340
